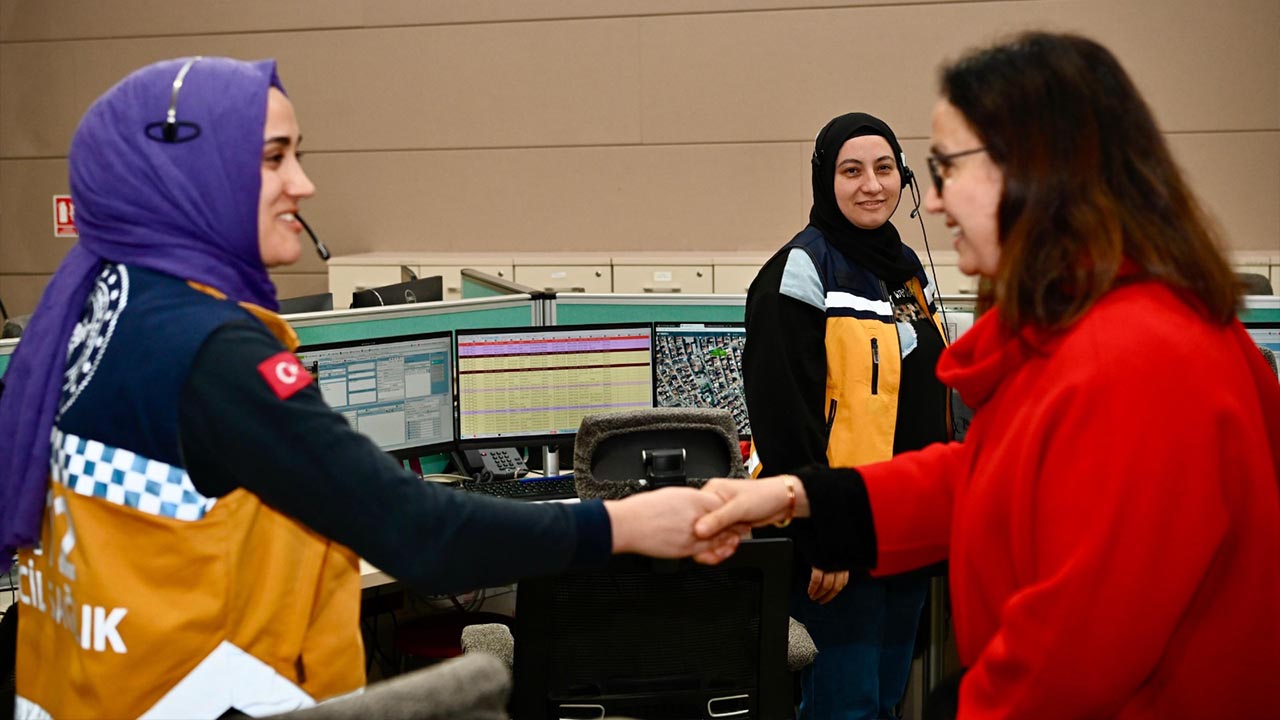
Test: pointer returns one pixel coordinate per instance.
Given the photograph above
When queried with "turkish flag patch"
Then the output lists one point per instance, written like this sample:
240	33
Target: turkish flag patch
284	374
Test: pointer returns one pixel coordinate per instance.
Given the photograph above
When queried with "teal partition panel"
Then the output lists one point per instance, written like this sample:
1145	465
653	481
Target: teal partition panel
339	326
1260	315
575	309
472	289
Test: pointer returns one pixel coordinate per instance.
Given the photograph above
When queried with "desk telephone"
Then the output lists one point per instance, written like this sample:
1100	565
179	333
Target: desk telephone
503	463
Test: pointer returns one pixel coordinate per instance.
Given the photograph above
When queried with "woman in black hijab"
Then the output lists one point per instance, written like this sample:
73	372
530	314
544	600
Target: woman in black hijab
842	341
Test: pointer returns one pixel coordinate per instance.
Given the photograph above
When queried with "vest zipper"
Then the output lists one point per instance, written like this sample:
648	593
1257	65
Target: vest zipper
875	366
831	418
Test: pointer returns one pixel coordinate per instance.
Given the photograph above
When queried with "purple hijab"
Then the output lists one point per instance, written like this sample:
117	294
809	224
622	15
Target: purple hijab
188	209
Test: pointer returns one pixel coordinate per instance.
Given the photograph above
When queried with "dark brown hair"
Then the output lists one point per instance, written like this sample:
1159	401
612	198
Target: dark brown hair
1088	183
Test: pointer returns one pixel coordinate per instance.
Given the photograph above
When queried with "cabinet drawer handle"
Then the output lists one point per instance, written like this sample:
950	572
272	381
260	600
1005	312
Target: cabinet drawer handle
564	289
666	289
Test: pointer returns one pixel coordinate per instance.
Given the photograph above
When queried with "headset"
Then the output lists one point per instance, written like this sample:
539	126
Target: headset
909	182
172	131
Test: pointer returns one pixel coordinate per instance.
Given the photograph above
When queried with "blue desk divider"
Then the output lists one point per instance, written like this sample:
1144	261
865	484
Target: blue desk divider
1261	308
519	311
342	325
591	308
476	284
339	325
1260	315
473	289
6	349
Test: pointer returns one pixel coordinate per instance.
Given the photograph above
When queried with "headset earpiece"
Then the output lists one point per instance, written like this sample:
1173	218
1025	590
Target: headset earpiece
908	177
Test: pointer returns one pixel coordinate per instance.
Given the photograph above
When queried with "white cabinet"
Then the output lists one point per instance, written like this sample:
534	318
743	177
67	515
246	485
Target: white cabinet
735	271
663	279
953	282
366	270
346	279
564	272
663	273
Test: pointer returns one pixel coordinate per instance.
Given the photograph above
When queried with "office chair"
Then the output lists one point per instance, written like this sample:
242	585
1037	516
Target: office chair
472	687
1270	357
14	326
609	463
1255	283
655	639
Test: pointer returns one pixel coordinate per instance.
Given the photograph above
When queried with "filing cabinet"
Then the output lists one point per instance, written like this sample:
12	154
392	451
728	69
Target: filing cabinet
346	279
663	273
564	272
735	271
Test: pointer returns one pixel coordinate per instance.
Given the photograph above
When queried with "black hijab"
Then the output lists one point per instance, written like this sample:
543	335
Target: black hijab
878	250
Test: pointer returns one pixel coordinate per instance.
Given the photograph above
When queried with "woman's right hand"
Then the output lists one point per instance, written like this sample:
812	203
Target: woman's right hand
752	502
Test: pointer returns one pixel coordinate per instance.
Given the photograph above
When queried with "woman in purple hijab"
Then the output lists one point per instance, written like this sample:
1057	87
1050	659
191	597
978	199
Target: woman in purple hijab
187	510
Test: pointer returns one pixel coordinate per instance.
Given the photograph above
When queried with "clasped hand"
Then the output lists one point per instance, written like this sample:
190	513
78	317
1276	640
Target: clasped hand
705	524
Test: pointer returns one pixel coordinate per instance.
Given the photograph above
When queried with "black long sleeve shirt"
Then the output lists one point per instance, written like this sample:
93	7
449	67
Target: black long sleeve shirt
304	460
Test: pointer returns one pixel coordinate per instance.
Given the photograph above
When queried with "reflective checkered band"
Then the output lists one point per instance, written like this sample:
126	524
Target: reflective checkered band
94	469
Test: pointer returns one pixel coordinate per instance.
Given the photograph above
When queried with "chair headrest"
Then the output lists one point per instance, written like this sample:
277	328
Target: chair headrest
691	428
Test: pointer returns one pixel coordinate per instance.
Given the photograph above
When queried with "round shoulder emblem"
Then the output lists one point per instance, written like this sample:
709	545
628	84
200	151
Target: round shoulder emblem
92	334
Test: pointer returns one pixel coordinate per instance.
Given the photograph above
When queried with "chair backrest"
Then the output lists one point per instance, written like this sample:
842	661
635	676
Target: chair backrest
617	454
14	326
657	639
470	687
1269	355
1255	283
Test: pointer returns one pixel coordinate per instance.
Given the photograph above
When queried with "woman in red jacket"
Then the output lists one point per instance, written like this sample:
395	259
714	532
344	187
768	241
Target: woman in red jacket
1112	519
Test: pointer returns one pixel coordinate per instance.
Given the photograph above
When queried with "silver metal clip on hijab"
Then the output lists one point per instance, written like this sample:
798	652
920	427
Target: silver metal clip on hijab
170	130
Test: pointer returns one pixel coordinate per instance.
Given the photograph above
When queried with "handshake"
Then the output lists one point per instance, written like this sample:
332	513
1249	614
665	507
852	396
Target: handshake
705	524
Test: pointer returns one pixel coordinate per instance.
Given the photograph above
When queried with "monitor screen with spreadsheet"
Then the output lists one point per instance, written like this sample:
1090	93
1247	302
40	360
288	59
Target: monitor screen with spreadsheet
700	365
396	390
521	385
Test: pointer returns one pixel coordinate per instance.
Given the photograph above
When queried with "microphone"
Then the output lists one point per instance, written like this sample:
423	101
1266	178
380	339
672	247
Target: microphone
321	250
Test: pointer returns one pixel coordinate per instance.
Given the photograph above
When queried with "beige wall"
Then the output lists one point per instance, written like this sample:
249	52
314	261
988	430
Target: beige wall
607	125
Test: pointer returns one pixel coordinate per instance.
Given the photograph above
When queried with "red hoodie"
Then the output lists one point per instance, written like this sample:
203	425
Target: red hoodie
1112	519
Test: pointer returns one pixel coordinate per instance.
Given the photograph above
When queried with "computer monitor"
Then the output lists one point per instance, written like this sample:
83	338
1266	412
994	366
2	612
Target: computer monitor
396	390
700	365
306	304
526	386
427	289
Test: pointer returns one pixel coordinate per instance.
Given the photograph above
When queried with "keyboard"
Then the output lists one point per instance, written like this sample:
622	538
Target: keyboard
526	489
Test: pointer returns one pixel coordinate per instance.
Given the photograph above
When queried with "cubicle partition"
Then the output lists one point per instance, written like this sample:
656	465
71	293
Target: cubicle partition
6	349
1261	308
479	284
344	325
590	308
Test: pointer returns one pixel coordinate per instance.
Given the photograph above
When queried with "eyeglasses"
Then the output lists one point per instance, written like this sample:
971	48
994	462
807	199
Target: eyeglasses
940	166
